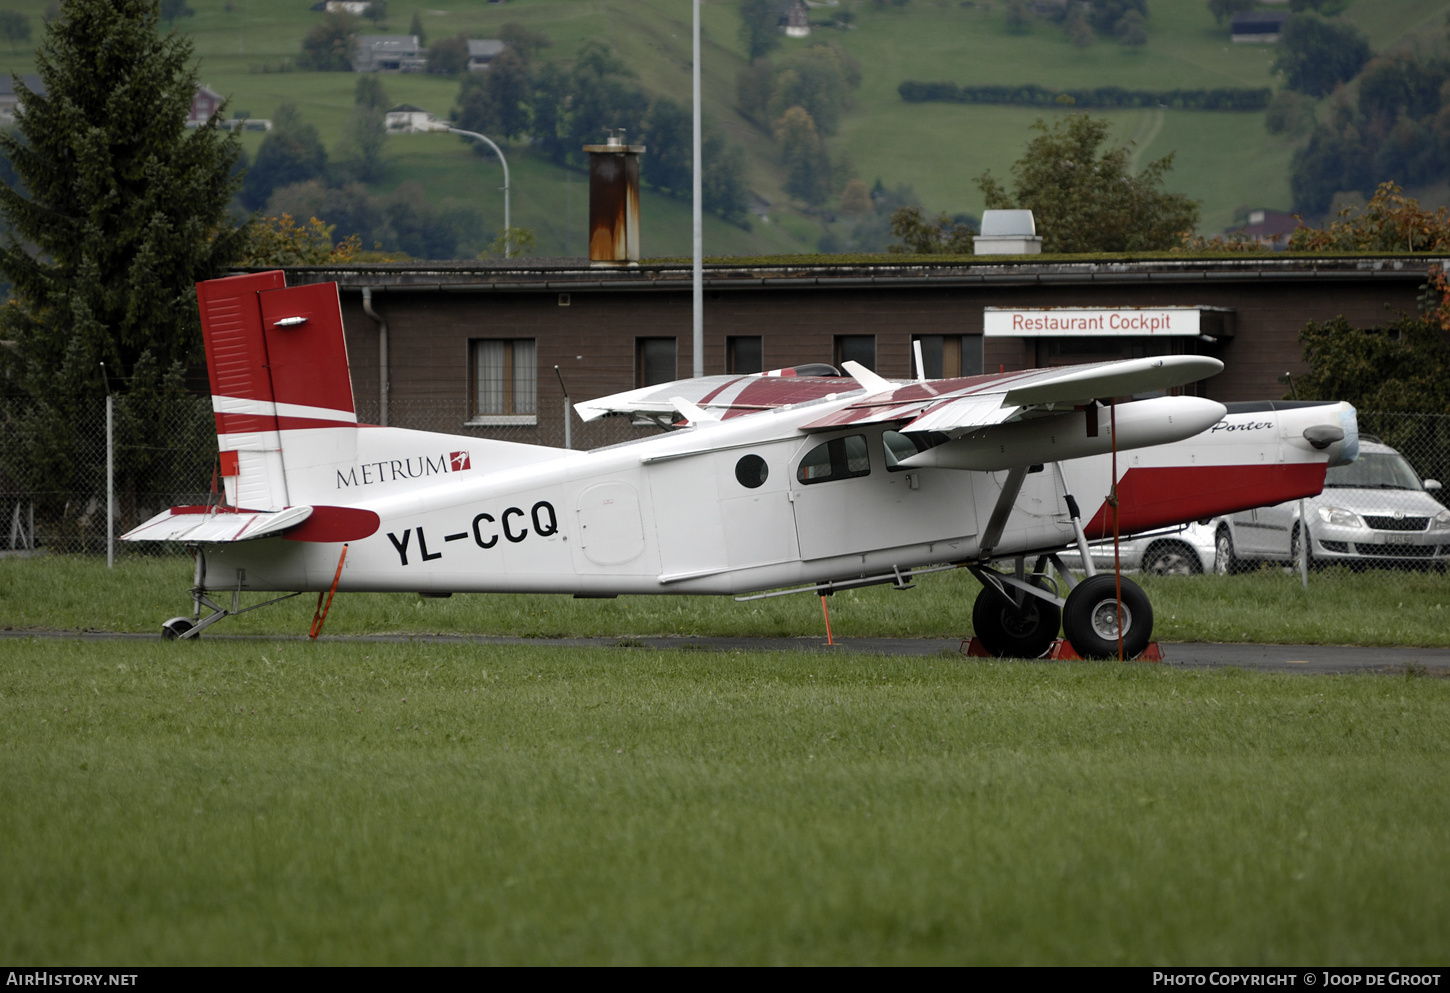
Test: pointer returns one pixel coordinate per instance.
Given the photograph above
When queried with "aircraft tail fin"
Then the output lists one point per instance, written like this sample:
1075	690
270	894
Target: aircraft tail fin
277	359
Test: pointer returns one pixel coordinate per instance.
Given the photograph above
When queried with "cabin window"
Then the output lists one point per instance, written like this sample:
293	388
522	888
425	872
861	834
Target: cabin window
751	471
744	354
505	388
654	361
839	458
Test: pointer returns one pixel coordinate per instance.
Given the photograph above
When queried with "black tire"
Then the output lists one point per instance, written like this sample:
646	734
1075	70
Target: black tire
176	627
1008	632
1225	562
1090	619
1171	558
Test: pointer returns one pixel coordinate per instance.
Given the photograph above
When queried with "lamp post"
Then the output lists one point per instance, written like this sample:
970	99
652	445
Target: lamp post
507	228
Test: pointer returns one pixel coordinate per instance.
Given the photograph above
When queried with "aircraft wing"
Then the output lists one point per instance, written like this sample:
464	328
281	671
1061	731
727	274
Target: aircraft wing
935	405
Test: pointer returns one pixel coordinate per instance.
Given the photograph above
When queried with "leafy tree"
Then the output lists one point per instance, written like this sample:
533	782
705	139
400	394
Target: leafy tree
1019	16
1131	30
279	241
722	187
1404	366
855	199
172	9
759	27
814	78
1389	222
1079	31
1084	199
753	86
1105	15
942	236
804	155
1224	10
669	135
526	41
327	47
1290	114
1316	54
14	27
449	55
120	210
377	11
369	92
291	153
363	138
415	28
496	103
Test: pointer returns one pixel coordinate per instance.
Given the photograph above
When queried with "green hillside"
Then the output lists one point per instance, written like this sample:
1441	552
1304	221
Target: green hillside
1226	160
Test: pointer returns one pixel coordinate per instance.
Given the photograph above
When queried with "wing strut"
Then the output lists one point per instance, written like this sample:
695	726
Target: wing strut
997	523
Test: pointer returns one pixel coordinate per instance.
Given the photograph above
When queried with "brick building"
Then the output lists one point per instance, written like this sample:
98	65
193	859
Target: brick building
476	344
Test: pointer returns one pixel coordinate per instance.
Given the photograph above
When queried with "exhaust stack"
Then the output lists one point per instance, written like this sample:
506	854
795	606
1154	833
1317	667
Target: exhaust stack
614	201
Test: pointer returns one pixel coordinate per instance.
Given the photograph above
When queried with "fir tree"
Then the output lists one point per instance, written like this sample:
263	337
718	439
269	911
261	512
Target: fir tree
118	211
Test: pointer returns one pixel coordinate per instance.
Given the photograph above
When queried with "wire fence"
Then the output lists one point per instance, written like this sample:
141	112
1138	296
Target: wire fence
55	486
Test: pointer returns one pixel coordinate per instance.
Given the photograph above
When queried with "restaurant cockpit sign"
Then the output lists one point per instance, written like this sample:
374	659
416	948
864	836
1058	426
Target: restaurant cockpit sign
1092	322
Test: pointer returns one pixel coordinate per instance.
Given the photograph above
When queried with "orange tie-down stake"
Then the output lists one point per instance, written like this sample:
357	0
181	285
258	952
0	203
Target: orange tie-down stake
1062	650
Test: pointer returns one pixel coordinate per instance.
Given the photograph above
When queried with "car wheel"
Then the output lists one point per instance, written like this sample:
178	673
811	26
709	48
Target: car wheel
1011	632
1171	558
1295	543
1225	563
1090	618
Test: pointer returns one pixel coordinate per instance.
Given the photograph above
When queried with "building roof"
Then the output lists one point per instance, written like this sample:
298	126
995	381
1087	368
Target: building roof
484	48
389	42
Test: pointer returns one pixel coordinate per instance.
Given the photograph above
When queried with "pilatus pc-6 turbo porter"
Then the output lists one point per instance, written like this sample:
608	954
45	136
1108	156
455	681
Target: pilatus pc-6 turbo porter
781	482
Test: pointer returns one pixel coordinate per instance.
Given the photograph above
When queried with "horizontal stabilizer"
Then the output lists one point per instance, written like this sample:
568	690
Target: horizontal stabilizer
207	524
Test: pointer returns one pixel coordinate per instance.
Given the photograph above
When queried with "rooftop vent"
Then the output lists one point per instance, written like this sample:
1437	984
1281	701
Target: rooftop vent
1008	232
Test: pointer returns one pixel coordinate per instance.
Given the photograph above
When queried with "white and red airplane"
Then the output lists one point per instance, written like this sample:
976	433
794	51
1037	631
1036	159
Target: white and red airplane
778	480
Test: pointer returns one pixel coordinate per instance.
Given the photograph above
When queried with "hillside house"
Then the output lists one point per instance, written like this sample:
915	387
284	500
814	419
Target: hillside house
796	21
482	52
1258	26
205	102
1268	227
407	119
389	53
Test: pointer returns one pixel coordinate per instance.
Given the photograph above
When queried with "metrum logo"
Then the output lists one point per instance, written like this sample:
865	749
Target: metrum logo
392	470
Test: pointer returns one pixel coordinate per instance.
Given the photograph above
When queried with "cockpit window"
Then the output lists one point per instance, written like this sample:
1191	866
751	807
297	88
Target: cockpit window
839	458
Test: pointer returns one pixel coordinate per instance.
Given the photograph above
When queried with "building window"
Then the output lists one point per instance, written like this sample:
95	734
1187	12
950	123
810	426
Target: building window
856	348
654	361
947	356
744	354
839	458
505	381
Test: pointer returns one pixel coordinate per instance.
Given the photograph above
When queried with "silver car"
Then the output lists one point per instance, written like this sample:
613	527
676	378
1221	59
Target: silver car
1373	511
1185	551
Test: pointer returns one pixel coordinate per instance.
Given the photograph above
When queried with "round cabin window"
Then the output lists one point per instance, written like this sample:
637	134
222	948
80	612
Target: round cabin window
751	471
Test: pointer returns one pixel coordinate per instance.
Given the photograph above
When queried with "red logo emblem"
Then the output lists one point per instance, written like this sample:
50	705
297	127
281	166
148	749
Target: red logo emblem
459	461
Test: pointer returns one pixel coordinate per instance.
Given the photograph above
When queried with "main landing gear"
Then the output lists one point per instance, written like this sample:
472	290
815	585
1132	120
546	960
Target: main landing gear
1018	615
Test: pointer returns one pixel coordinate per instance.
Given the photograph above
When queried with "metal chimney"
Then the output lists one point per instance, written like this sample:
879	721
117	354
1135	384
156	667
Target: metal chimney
614	201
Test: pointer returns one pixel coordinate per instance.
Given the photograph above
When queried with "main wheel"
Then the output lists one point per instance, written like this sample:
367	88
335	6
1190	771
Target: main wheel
1012	632
1225	562
1171	558
175	628
1090	619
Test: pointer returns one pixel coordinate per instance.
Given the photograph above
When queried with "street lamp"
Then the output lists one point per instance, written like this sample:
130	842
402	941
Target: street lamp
507	229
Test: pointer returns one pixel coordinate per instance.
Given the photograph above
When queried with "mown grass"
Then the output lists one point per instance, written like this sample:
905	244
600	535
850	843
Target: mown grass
1382	607
239	803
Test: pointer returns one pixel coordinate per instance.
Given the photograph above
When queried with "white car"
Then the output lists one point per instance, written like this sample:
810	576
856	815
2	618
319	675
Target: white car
1374	511
1185	551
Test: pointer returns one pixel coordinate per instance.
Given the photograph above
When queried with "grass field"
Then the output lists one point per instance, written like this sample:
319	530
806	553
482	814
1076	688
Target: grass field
1384	607
246	803
1225	160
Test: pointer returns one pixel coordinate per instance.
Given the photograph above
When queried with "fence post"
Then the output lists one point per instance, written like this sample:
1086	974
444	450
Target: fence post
110	483
1303	545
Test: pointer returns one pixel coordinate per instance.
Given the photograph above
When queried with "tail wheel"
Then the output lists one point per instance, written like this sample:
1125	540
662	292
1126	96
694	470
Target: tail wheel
1090	619
1024	632
176	628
